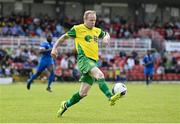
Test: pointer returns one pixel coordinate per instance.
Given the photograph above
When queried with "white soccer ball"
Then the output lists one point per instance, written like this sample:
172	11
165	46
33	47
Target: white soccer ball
119	88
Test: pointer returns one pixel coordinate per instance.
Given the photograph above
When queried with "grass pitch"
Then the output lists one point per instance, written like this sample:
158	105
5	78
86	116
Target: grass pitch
157	103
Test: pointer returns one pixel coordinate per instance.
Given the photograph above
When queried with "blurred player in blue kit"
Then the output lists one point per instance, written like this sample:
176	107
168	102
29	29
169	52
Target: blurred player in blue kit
148	62
46	61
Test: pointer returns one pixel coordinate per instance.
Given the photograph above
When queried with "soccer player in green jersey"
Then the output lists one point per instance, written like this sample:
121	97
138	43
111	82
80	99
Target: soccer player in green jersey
86	41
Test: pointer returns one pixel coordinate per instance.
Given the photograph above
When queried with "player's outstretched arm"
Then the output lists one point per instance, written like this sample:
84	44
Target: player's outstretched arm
106	38
54	52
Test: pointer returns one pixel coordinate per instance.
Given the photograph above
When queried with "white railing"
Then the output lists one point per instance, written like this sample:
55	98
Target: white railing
115	45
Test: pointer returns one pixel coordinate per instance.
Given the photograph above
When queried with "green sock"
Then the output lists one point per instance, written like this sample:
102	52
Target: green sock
74	99
104	88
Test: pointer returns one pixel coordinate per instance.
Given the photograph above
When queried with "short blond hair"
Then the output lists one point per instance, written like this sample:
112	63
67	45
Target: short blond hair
86	13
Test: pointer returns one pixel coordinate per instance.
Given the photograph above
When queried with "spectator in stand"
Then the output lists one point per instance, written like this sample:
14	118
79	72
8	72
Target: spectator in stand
64	66
169	32
75	73
119	72
33	57
130	63
8	71
59	30
177	67
25	55
160	70
6	30
134	54
104	62
1	72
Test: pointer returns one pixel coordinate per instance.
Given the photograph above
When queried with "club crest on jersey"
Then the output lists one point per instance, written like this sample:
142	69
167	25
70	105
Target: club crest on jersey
88	38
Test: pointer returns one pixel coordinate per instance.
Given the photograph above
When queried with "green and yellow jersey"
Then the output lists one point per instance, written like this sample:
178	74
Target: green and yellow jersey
86	40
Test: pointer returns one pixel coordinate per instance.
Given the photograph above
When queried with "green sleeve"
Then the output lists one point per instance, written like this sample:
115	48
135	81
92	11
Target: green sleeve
102	34
71	32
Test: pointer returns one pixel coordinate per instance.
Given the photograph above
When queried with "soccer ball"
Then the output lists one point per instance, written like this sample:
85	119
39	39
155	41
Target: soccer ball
119	88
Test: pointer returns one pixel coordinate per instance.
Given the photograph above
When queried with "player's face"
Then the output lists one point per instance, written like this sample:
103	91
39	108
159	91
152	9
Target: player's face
90	21
148	52
49	38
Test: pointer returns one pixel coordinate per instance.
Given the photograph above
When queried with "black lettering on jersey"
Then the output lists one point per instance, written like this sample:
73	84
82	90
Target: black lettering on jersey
95	38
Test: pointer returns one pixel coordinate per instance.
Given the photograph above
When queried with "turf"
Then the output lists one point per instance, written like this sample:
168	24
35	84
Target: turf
157	103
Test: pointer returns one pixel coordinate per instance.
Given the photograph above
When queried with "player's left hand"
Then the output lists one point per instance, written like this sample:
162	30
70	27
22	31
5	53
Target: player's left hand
106	39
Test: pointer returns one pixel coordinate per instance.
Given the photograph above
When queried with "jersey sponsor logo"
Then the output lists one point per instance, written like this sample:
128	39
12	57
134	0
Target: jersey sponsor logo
82	31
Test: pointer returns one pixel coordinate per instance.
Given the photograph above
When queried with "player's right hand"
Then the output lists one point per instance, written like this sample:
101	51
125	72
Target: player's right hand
54	53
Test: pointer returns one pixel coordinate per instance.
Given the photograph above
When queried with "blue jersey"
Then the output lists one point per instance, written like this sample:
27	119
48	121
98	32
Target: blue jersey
149	68
46	45
148	59
46	59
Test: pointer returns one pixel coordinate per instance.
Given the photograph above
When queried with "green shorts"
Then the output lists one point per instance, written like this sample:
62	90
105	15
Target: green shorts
85	65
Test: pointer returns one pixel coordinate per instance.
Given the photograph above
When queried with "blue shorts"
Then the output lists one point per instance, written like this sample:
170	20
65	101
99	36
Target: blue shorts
148	71
44	63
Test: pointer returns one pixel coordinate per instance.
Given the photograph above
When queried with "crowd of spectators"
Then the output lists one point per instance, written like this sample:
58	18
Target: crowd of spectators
24	61
21	61
24	25
16	25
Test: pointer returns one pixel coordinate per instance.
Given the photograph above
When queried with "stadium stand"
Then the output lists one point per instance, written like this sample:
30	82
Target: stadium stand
21	33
